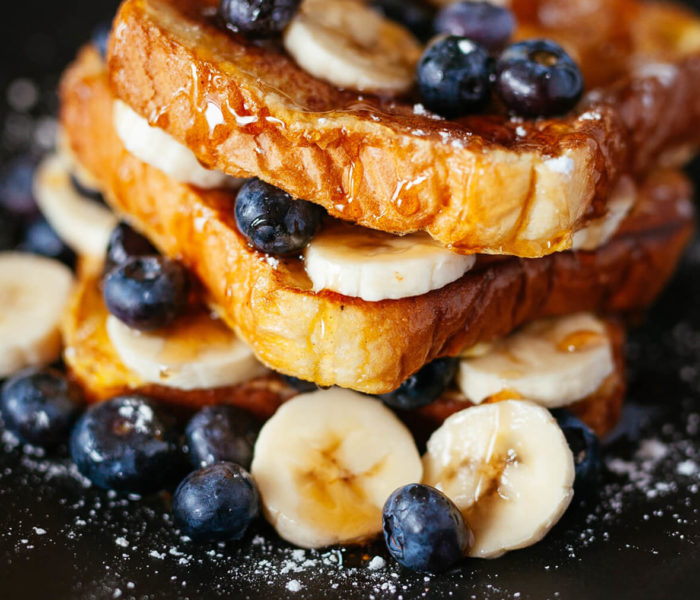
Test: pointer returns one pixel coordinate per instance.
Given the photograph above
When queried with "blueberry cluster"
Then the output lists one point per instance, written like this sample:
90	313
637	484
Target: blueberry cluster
132	444
462	68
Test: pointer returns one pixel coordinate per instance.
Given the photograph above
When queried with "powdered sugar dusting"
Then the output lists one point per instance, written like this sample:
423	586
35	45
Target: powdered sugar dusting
265	564
590	115
665	73
560	164
687	468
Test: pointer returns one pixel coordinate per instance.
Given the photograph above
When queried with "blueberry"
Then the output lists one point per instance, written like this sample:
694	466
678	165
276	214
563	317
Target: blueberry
274	222
217	502
86	191
424	530
415	15
40	238
10	228
147	292
125	243
424	387
126	444
221	433
40	406
489	25
454	76
100	38
16	188
300	385
538	78
585	446
258	18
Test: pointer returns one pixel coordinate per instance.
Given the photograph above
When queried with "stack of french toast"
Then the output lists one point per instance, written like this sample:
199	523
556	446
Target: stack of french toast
370	238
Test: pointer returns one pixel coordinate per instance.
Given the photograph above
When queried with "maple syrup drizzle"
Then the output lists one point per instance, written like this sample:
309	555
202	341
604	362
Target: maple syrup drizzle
186	338
578	341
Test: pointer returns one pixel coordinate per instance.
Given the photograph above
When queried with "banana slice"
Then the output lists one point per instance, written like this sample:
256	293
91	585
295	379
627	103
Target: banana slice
326	463
600	231
159	149
199	352
82	223
351	46
479	349
508	468
372	265
74	166
554	362
33	294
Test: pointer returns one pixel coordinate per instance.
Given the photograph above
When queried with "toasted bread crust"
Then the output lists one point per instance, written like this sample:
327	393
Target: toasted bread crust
95	366
482	184
336	340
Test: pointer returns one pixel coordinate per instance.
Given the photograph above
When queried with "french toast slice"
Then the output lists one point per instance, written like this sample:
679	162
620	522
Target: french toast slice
94	364
336	340
486	184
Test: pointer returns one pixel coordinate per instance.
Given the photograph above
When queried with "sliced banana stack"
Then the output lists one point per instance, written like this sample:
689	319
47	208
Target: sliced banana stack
508	468
326	463
554	362
80	222
373	265
159	149
33	294
352	46
199	352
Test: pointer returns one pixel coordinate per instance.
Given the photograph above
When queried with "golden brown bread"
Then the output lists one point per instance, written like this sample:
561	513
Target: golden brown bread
95	365
482	184
336	340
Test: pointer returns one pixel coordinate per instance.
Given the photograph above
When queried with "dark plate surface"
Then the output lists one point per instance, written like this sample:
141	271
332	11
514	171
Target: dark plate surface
639	538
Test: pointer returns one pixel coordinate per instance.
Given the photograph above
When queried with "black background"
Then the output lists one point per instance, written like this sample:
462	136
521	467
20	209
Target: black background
59	540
